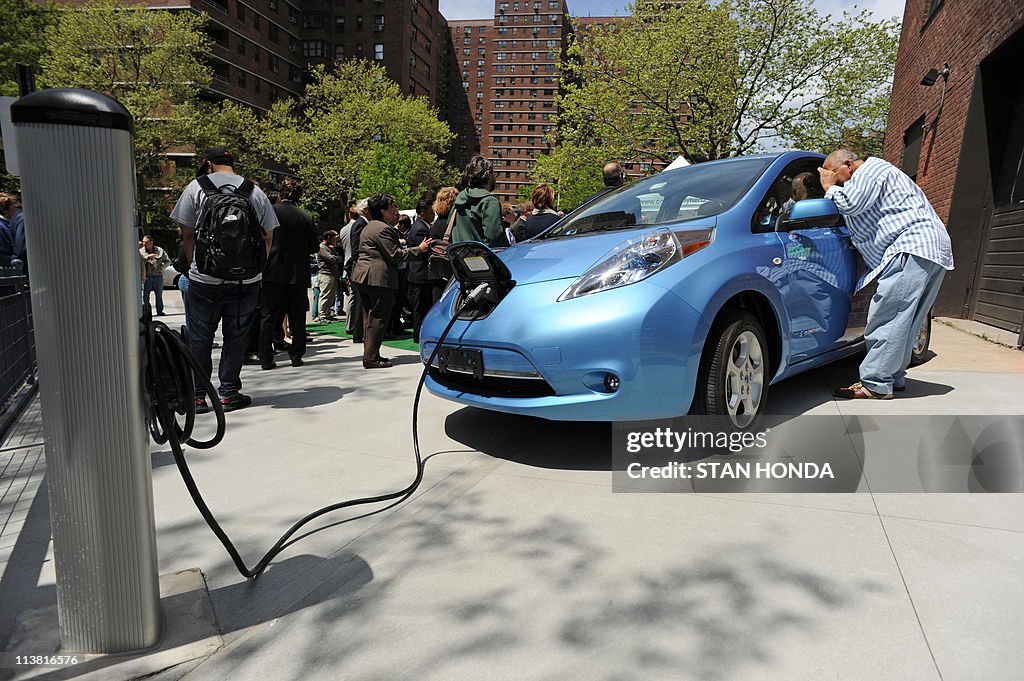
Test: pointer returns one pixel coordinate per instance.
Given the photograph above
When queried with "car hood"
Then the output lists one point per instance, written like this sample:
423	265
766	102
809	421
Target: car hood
536	261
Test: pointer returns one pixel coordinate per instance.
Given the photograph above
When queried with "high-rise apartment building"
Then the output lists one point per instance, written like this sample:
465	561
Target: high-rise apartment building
503	84
262	49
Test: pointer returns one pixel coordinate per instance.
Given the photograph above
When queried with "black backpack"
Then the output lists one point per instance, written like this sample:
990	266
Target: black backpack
229	237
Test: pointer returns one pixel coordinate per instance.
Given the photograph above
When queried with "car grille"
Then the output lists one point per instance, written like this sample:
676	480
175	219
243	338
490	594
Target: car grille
493	386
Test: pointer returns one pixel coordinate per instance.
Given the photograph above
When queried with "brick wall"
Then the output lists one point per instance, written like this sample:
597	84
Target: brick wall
962	33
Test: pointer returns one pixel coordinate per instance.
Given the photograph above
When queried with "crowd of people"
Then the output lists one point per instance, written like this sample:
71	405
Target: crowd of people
12	231
381	272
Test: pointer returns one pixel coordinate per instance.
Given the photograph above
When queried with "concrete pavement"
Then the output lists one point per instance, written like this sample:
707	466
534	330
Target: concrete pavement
514	559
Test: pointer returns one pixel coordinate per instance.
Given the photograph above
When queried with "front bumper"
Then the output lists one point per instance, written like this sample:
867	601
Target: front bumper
549	359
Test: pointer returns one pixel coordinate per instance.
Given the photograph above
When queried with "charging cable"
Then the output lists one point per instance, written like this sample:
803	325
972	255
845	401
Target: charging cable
169	368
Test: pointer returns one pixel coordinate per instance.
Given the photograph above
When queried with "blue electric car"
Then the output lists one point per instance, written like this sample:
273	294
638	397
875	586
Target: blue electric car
691	291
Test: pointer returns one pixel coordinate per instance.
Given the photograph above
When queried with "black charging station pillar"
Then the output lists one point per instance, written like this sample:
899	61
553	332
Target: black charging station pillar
74	150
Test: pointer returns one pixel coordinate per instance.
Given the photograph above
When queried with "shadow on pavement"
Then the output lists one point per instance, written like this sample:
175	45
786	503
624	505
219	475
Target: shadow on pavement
567	445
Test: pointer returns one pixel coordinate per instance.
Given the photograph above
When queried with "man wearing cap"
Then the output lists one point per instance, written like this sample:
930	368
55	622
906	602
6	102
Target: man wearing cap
214	301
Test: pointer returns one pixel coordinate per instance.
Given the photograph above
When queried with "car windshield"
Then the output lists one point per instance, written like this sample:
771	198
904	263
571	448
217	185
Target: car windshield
700	190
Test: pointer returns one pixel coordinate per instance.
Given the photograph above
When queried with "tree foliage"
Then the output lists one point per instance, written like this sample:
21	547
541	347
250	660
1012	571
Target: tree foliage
23	23
147	61
353	127
401	170
574	172
717	78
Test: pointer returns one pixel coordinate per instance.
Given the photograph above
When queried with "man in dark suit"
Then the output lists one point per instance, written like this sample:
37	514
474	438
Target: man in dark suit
354	318
420	297
614	177
286	276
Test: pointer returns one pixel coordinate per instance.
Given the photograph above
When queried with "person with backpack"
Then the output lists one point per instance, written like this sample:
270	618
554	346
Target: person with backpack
227	226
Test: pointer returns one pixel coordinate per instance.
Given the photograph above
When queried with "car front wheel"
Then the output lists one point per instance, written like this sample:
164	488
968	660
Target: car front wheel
733	381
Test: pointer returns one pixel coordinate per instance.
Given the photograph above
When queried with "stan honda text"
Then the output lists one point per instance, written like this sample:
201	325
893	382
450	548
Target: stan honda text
724	470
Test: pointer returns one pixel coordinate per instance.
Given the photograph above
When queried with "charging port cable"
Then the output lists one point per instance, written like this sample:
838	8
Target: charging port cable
169	368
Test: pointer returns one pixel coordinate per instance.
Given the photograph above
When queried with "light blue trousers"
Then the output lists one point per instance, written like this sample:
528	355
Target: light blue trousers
907	288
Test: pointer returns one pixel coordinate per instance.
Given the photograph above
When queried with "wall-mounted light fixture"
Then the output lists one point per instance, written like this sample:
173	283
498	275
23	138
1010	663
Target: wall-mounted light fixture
930	79
933	75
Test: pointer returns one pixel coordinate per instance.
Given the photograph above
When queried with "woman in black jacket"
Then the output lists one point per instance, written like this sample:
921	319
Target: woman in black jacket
544	214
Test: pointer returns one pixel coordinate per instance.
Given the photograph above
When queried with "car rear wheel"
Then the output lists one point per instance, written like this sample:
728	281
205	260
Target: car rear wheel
733	381
921	343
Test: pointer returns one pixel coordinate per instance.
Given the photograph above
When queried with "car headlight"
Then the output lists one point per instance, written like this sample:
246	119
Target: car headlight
629	263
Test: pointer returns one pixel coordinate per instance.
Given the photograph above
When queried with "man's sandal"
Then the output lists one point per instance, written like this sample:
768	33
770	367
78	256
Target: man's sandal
857	391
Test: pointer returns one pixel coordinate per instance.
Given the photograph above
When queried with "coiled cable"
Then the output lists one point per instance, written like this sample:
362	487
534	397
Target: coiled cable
170	370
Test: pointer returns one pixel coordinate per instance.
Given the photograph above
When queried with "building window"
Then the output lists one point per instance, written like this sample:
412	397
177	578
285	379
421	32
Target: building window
256	85
315	48
241	78
256	21
912	139
378	51
359	23
274	63
241	45
272	4
240	10
378	22
426	70
412	59
339	24
272	32
256	53
359	51
339	52
933	7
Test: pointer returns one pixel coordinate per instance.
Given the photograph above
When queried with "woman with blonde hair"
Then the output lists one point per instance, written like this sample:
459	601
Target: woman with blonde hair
439	272
443	203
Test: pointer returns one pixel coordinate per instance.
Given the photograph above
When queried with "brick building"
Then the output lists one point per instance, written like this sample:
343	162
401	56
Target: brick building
962	138
503	86
262	49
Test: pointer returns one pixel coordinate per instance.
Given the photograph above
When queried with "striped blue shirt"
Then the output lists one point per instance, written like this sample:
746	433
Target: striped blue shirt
888	214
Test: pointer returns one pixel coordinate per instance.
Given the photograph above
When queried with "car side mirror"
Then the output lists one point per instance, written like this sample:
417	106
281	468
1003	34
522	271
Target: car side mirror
810	214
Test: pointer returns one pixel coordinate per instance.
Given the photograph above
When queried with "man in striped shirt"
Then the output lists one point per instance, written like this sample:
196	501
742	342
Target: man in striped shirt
906	248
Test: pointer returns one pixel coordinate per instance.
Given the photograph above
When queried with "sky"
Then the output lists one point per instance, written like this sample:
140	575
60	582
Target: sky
484	9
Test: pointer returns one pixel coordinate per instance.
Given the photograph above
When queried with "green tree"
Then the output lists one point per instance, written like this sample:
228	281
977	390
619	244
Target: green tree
711	79
574	172
399	169
146	60
351	124
23	23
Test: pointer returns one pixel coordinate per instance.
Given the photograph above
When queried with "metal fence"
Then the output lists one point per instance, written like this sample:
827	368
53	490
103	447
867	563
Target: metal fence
17	344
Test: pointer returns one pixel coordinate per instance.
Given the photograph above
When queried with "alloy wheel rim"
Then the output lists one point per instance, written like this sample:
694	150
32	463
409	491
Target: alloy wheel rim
922	338
744	379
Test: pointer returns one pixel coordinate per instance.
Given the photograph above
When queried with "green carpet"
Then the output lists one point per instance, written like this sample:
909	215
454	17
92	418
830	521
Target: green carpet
337	329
